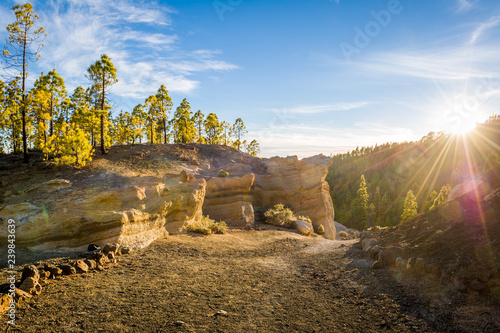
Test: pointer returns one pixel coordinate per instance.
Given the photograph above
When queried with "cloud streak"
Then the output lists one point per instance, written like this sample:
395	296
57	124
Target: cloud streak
492	22
313	109
137	35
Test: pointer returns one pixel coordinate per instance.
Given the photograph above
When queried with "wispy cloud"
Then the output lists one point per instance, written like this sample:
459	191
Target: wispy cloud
305	141
464	5
483	27
311	109
137	35
452	63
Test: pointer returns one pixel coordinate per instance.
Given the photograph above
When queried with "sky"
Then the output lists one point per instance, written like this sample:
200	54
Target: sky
307	77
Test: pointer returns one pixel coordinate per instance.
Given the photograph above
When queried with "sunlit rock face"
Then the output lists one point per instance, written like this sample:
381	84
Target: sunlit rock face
134	209
229	199
132	215
299	184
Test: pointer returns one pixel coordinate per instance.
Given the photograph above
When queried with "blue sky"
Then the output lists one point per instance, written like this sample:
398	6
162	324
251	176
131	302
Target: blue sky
307	77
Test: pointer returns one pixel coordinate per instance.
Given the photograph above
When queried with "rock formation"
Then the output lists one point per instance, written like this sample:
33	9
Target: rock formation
230	199
132	215
133	211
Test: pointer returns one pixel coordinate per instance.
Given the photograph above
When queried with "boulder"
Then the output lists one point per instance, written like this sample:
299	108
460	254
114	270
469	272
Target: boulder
110	248
400	264
299	184
367	243
93	247
54	271
91	264
387	257
30	271
305	228
81	266
68	269
230	199
31	286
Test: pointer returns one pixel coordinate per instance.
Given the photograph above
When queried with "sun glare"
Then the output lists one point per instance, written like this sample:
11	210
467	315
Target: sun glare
463	127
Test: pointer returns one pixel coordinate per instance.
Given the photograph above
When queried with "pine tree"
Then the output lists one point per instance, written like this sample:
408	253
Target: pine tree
73	146
253	148
185	131
164	103
360	205
442	198
103	75
213	129
199	122
410	207
138	123
18	53
54	86
239	129
151	106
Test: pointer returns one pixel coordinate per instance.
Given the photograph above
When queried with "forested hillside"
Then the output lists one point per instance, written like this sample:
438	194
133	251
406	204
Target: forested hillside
383	185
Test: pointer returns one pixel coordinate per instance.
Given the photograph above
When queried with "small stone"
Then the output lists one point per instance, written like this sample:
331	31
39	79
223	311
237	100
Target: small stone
110	248
377	264
400	264
125	250
220	313
44	274
99	268
31	286
179	323
90	263
101	258
54	271
81	266
68	269
93	247
111	256
30	271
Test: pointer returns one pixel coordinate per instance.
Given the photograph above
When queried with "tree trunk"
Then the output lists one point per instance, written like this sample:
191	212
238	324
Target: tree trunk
26	157
103	150
165	130
51	115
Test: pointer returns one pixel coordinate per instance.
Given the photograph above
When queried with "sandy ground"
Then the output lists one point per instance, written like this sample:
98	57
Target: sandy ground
265	281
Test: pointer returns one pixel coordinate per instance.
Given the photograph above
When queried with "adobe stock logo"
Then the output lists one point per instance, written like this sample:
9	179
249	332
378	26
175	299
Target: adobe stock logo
223	6
363	37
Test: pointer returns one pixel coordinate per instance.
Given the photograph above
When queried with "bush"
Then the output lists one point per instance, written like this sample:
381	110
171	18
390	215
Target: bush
353	233
304	218
320	230
207	226
223	173
343	234
280	216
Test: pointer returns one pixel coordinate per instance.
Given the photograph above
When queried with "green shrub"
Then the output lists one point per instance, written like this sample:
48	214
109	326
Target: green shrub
304	218
280	216
207	226
223	173
343	234
320	230
353	233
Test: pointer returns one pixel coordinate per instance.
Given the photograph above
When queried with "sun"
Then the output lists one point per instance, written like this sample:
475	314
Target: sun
462	127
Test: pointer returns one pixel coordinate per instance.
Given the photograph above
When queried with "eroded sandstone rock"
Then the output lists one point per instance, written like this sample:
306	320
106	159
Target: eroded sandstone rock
230	199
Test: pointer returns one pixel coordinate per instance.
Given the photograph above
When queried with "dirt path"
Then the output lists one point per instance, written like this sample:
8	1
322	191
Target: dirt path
266	281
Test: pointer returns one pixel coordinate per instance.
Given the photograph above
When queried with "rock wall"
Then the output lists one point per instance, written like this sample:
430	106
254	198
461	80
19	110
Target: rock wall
133	216
134	211
230	200
301	185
